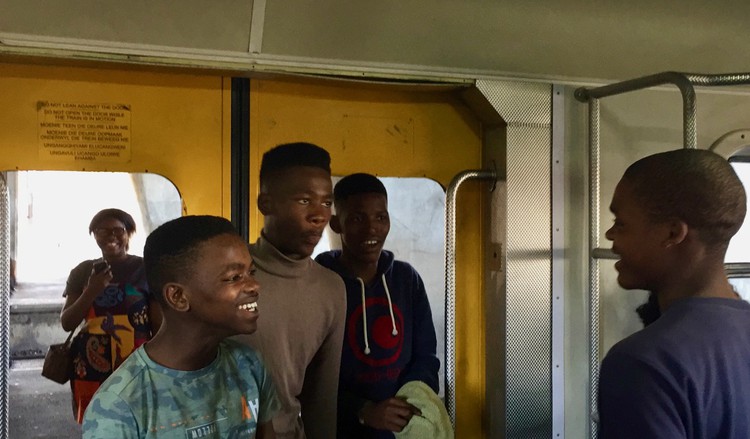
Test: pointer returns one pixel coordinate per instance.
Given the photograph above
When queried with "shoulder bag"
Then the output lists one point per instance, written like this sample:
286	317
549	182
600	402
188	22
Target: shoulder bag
58	363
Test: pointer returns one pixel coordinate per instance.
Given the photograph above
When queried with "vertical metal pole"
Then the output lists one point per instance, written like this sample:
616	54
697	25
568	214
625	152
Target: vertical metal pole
450	284
594	206
4	305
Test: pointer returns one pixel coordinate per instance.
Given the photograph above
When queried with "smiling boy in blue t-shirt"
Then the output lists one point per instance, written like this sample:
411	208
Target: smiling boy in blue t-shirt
189	381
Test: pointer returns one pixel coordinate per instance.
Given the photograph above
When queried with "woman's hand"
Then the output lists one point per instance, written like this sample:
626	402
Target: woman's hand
392	414
97	282
77	304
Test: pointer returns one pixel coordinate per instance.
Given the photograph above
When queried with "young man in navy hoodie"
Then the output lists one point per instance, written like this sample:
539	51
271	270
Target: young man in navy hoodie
389	337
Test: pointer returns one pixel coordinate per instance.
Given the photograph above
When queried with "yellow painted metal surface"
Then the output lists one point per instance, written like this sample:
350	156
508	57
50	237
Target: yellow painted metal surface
392	131
179	125
180	128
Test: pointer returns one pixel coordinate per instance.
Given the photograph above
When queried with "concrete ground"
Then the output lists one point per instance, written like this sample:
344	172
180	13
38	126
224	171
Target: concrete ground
38	408
35	319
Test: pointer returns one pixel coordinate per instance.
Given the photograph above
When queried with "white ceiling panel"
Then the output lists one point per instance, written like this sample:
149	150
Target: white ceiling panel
549	39
221	25
571	38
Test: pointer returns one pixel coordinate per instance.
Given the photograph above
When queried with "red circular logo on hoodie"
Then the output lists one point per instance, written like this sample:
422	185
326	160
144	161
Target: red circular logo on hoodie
384	346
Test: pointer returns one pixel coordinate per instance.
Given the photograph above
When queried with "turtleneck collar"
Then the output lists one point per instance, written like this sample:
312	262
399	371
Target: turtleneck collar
269	259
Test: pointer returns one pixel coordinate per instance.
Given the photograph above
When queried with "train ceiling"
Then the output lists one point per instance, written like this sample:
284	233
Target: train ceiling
565	40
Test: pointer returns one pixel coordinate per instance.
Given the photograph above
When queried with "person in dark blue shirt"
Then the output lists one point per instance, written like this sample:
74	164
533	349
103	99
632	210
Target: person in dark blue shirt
687	374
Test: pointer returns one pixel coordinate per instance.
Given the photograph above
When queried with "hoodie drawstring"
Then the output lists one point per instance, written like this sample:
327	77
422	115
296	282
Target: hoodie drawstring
394	332
390	306
364	316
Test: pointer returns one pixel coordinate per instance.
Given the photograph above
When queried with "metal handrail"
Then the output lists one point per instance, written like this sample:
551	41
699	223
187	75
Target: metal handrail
4	306
450	283
594	201
737	269
718	80
682	82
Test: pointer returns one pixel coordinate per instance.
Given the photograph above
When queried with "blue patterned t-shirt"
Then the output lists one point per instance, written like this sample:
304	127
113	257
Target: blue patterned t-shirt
142	399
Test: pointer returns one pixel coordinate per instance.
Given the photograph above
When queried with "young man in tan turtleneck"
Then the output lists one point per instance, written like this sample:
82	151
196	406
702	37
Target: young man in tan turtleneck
305	304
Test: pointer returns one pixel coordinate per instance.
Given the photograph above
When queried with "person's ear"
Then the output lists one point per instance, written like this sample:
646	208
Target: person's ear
677	232
264	203
335	224
174	295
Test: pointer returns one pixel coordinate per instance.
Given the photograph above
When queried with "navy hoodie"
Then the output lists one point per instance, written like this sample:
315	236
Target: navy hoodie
375	363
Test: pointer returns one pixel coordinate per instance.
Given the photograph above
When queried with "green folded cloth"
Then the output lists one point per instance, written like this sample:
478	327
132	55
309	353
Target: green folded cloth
434	422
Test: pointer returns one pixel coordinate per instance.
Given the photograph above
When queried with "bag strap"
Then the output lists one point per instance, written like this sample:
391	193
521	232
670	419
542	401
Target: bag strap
70	337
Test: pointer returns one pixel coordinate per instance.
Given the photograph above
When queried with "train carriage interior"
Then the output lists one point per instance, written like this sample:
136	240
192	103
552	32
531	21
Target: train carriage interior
499	128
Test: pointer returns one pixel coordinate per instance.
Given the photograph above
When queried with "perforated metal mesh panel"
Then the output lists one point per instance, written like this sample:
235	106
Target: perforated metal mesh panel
527	109
519	103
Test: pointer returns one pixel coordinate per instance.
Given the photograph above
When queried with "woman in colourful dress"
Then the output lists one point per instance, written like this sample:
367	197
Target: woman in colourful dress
111	294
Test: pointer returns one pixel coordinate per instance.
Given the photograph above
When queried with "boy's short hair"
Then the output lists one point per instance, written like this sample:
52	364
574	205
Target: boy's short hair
288	155
696	186
354	184
119	215
170	250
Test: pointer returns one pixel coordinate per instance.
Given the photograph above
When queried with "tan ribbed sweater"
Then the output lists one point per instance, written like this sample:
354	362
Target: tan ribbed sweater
300	332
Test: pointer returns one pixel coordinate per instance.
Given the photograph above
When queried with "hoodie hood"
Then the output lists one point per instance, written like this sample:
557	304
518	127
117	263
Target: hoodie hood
330	260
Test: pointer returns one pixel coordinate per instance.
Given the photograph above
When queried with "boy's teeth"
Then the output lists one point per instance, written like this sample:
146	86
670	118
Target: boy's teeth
249	306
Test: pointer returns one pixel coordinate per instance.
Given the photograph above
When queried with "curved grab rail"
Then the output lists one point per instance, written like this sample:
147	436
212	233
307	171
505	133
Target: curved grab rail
682	82
450	283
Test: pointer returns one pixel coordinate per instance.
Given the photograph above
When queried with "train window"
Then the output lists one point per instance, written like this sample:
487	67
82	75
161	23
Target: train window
741	286
417	210
53	210
739	250
49	216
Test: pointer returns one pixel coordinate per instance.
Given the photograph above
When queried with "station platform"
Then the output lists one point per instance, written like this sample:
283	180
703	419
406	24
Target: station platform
35	319
37	407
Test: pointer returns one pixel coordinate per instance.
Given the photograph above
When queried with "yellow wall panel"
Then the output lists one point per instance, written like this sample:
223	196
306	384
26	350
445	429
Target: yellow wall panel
470	318
180	128
393	131
385	130
179	125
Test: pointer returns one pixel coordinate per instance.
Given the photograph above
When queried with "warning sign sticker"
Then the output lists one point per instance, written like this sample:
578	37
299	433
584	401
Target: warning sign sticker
84	132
